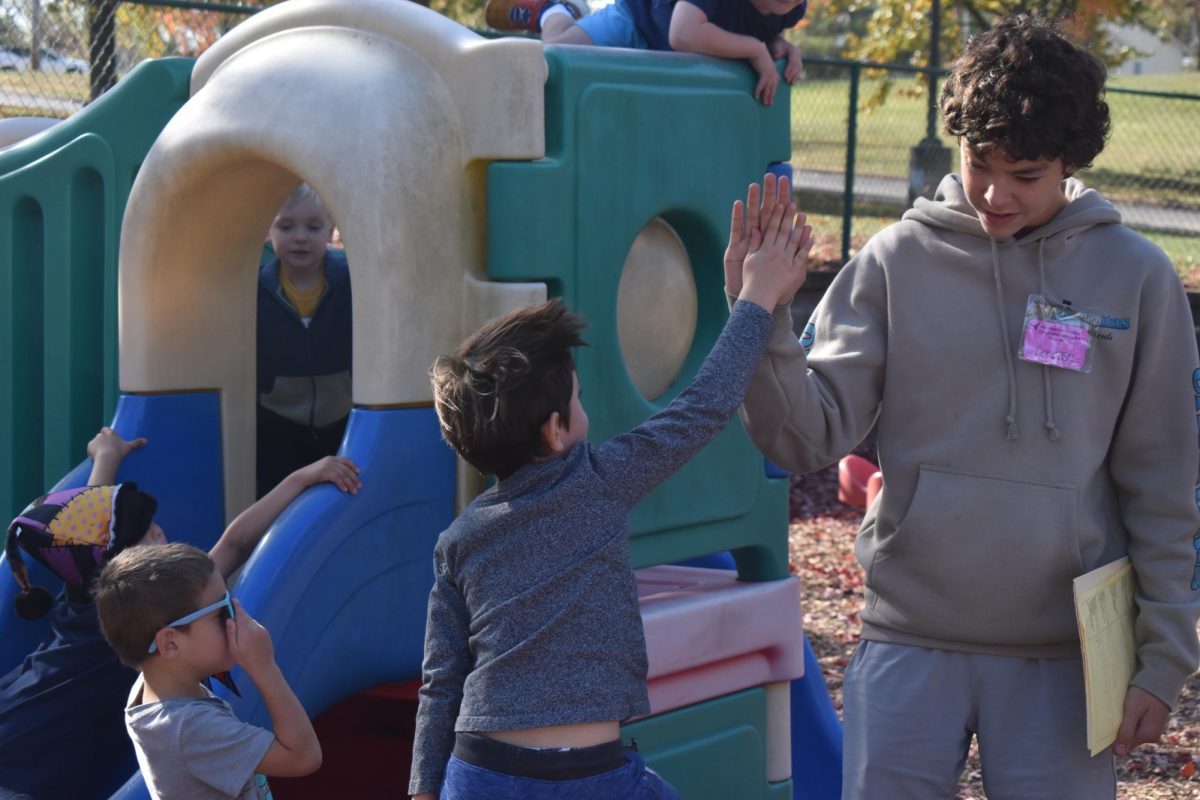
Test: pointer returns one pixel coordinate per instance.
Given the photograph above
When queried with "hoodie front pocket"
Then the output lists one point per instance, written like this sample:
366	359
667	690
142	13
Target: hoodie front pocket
980	560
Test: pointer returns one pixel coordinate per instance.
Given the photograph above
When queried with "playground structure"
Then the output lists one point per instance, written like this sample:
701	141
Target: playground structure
467	176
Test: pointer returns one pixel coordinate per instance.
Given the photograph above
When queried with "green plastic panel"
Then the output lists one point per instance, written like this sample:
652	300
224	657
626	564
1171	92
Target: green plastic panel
715	750
62	199
631	136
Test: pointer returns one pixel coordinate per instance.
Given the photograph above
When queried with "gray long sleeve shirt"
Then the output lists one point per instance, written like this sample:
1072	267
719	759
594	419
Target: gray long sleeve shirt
534	617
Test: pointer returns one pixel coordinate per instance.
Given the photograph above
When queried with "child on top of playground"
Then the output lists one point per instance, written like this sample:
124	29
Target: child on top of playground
67	695
304	342
534	650
751	30
1030	366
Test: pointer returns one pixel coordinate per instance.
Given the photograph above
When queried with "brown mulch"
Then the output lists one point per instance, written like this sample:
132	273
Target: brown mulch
821	541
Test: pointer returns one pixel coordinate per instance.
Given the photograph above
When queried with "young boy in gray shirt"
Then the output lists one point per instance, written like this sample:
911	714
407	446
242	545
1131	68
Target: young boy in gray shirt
534	650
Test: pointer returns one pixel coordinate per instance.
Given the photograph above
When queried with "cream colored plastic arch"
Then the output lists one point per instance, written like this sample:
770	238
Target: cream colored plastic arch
390	112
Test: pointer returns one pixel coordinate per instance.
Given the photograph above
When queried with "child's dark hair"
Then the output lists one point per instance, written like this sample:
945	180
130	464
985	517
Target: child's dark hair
495	391
145	587
1024	88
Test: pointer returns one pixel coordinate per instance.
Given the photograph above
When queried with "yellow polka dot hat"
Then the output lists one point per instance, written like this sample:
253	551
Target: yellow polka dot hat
73	532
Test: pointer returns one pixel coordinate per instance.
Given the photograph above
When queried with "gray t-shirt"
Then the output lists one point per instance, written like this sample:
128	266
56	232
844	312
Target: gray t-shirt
196	749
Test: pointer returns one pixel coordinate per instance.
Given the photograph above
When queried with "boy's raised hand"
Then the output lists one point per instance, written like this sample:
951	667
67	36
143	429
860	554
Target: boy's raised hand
249	642
743	232
775	267
338	470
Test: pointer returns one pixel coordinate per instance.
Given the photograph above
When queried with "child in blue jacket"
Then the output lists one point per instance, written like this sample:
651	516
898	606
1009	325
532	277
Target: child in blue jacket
304	342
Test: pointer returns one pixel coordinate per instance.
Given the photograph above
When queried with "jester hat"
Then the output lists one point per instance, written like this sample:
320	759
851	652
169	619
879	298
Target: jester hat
73	532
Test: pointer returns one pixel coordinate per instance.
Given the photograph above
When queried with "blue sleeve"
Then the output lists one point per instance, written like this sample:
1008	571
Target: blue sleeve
634	463
795	15
447	662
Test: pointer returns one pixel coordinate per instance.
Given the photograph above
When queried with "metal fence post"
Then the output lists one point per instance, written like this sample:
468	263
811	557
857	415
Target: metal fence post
102	45
851	146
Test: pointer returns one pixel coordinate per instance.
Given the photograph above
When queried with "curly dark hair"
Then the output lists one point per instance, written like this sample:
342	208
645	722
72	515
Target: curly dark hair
1024	88
494	393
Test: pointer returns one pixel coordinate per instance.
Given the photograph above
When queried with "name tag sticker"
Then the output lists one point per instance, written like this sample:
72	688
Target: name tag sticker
1057	335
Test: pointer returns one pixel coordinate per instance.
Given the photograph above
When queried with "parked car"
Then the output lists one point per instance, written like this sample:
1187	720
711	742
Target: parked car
52	61
11	59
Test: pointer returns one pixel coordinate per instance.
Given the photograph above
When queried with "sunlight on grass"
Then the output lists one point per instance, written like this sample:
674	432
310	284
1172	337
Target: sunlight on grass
51	85
1153	155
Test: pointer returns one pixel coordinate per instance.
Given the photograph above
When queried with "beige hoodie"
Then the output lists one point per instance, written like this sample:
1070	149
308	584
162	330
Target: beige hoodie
1003	479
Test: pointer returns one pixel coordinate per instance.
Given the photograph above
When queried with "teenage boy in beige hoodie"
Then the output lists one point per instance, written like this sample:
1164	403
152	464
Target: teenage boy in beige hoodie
1022	443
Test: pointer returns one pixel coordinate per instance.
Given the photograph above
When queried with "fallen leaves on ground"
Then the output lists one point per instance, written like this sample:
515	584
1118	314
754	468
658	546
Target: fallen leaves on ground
821	543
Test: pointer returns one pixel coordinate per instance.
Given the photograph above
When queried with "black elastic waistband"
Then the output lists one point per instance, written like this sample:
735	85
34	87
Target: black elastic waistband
546	765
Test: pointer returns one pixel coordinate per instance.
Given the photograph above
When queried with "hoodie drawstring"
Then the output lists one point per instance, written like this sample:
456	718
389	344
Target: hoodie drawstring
1011	419
1051	429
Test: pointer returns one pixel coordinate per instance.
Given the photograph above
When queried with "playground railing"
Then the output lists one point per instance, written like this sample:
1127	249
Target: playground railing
62	198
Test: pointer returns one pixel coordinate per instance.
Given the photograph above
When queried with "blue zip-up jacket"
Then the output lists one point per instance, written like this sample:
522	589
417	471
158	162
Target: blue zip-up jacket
304	372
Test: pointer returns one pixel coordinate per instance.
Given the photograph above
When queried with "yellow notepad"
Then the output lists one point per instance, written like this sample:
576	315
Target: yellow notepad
1105	614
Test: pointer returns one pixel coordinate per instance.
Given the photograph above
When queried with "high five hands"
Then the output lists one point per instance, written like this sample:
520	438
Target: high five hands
767	256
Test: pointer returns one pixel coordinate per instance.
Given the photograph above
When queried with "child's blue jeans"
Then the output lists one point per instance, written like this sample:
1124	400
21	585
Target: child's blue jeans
631	781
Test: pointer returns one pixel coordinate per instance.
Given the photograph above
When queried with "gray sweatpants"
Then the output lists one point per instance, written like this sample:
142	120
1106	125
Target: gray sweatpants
910	713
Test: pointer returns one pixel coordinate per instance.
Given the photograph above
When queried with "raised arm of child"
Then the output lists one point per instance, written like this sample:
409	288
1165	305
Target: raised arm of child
750	219
296	750
773	269
692	32
244	533
107	450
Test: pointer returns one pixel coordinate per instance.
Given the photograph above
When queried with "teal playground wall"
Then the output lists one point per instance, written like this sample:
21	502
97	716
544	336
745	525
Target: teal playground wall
62	198
631	136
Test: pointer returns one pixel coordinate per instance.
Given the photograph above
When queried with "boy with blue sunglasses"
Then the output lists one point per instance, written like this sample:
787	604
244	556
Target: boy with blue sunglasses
167	612
68	694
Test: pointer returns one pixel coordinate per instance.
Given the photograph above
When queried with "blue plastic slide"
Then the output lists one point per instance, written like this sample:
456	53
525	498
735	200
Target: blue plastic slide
341	581
181	467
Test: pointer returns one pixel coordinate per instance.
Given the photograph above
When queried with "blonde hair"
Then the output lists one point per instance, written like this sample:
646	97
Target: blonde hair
300	194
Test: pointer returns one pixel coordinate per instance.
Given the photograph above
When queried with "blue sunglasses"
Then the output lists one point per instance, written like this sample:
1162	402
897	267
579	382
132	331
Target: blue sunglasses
225	603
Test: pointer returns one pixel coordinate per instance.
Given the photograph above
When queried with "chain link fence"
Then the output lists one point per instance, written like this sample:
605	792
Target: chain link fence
865	140
865	137
58	55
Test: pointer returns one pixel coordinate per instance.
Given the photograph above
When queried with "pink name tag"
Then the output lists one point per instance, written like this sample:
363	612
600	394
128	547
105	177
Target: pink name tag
1055	344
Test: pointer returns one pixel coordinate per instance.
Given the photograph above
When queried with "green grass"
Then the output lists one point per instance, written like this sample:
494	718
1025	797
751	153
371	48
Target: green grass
58	86
1180	82
7	111
820	115
1153	155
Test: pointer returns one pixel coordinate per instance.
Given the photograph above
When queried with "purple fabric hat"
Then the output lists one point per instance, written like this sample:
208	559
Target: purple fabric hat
73	533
